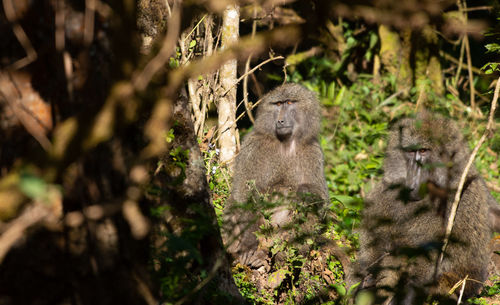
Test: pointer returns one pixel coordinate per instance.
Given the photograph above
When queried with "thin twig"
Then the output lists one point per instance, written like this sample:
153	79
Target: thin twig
471	75
460	62
455	61
31	55
18	108
68	72
387	100
29	217
454	207
247	67
463	7
241	115
479	8
464	281
194	28
169	11
251	71
462	290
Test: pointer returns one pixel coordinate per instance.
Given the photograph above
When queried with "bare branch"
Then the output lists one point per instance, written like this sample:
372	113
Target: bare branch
21	36
30	216
90	8
253	70
31	122
462	289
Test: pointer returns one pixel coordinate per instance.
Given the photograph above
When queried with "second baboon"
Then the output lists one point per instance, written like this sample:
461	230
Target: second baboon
280	155
405	216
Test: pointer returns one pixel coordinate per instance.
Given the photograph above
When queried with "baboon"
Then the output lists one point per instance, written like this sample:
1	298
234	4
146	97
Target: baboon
405	217
280	155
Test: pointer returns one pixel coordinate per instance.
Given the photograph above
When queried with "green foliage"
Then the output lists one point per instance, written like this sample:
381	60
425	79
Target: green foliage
218	180
296	261
357	46
177	161
247	289
487	293
169	136
491	67
494	47
172	261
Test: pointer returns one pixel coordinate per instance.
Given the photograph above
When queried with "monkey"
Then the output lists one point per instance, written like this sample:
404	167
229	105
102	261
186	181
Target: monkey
405	216
281	155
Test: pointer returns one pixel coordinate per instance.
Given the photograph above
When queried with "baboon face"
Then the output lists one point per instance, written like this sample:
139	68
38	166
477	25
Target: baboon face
420	160
282	111
425	151
416	175
285	113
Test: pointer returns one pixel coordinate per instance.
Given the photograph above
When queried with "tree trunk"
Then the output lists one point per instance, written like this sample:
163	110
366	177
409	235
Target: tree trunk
227	102
189	224
395	56
428	75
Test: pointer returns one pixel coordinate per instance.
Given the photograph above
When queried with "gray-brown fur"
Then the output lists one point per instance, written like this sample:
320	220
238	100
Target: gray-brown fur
405	216
284	160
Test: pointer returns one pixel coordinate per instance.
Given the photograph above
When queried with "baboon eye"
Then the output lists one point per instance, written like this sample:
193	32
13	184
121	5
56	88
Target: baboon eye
423	150
289	102
279	103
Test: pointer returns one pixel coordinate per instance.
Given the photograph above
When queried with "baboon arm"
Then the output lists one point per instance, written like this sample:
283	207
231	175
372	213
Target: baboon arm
311	176
240	223
255	165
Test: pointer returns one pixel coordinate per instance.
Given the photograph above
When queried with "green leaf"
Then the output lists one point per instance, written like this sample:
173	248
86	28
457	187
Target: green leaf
340	96
331	91
32	186
340	289
348	201
364	297
353	288
170	136
492	47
